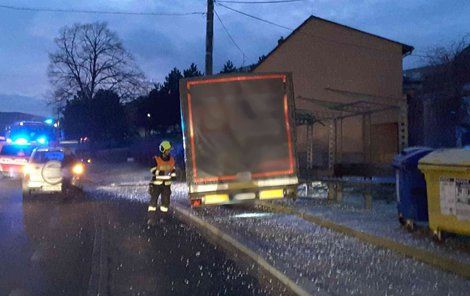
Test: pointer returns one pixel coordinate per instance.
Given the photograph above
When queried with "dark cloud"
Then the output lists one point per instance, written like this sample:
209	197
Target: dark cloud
25	104
161	43
148	44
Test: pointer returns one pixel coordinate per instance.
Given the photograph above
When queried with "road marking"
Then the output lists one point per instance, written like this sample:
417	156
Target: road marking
38	253
97	284
224	239
428	257
37	256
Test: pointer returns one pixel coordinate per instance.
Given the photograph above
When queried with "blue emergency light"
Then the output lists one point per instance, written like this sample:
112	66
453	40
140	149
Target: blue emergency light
21	141
49	121
42	140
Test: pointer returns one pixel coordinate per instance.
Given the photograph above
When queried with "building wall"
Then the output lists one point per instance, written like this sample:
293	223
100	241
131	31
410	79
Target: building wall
334	63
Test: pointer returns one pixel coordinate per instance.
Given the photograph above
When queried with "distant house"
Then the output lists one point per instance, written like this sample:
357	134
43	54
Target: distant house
348	88
412	86
439	110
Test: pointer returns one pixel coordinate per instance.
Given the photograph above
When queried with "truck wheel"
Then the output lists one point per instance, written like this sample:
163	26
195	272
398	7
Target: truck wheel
291	193
26	194
78	192
64	194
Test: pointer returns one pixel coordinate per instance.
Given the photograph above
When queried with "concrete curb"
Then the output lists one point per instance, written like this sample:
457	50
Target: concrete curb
424	256
228	242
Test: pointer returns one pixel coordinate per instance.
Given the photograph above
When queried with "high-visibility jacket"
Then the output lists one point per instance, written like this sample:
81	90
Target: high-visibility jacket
164	170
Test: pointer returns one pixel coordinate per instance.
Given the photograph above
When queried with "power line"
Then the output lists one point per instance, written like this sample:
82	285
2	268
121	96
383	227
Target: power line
255	17
300	32
261	2
230	36
38	9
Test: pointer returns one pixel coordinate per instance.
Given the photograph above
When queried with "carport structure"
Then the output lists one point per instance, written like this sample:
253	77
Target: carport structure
332	114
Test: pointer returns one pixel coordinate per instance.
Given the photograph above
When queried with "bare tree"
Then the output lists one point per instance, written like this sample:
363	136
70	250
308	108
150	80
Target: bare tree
450	68
444	82
89	58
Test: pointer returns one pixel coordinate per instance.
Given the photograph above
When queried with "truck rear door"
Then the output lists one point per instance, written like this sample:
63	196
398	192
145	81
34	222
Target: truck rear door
238	128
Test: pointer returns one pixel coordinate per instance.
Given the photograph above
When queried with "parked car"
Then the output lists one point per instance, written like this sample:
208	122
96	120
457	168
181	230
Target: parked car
52	170
13	158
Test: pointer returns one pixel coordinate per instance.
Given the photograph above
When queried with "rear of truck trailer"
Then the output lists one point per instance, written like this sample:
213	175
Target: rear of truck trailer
239	137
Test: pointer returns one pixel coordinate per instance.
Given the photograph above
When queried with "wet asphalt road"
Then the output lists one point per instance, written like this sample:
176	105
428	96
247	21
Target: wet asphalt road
93	242
45	244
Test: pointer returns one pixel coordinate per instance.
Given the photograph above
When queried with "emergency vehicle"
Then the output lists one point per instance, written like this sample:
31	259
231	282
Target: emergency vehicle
20	139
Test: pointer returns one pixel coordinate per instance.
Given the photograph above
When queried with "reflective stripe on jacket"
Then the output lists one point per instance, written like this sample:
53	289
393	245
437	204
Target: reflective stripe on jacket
164	170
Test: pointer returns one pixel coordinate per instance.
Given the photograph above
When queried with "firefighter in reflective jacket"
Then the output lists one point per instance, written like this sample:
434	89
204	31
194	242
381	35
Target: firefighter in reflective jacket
162	174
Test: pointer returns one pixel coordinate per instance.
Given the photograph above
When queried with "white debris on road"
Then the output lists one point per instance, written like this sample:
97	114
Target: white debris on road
316	258
382	221
322	260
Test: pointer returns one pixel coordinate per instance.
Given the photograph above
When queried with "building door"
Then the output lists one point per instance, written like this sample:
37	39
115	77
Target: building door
384	142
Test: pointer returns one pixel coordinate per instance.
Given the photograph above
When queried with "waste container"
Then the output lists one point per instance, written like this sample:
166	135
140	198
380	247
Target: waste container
447	174
412	202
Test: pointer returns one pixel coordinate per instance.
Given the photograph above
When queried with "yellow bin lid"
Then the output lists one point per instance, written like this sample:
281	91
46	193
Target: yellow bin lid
447	157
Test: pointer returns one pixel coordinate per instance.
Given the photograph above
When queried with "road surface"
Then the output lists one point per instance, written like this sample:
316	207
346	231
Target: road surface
319	260
93	243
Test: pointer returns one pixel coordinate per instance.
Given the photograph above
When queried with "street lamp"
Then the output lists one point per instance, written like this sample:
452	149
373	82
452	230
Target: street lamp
149	116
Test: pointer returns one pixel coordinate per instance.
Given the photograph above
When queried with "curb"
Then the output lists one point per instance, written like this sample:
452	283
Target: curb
227	241
424	256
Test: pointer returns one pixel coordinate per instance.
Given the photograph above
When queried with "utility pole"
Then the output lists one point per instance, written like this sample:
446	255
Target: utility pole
209	36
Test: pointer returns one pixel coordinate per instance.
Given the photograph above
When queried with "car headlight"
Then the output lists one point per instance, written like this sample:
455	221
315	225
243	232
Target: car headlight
26	169
78	169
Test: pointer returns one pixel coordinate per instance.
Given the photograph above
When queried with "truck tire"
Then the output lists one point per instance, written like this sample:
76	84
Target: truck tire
66	190
26	194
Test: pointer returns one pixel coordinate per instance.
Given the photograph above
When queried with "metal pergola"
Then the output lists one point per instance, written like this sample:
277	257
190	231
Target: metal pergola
333	113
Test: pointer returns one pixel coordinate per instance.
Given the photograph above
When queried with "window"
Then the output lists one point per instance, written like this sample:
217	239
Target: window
46	156
19	151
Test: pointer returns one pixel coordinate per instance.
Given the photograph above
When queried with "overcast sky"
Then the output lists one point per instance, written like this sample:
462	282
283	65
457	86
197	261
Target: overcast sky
160	43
